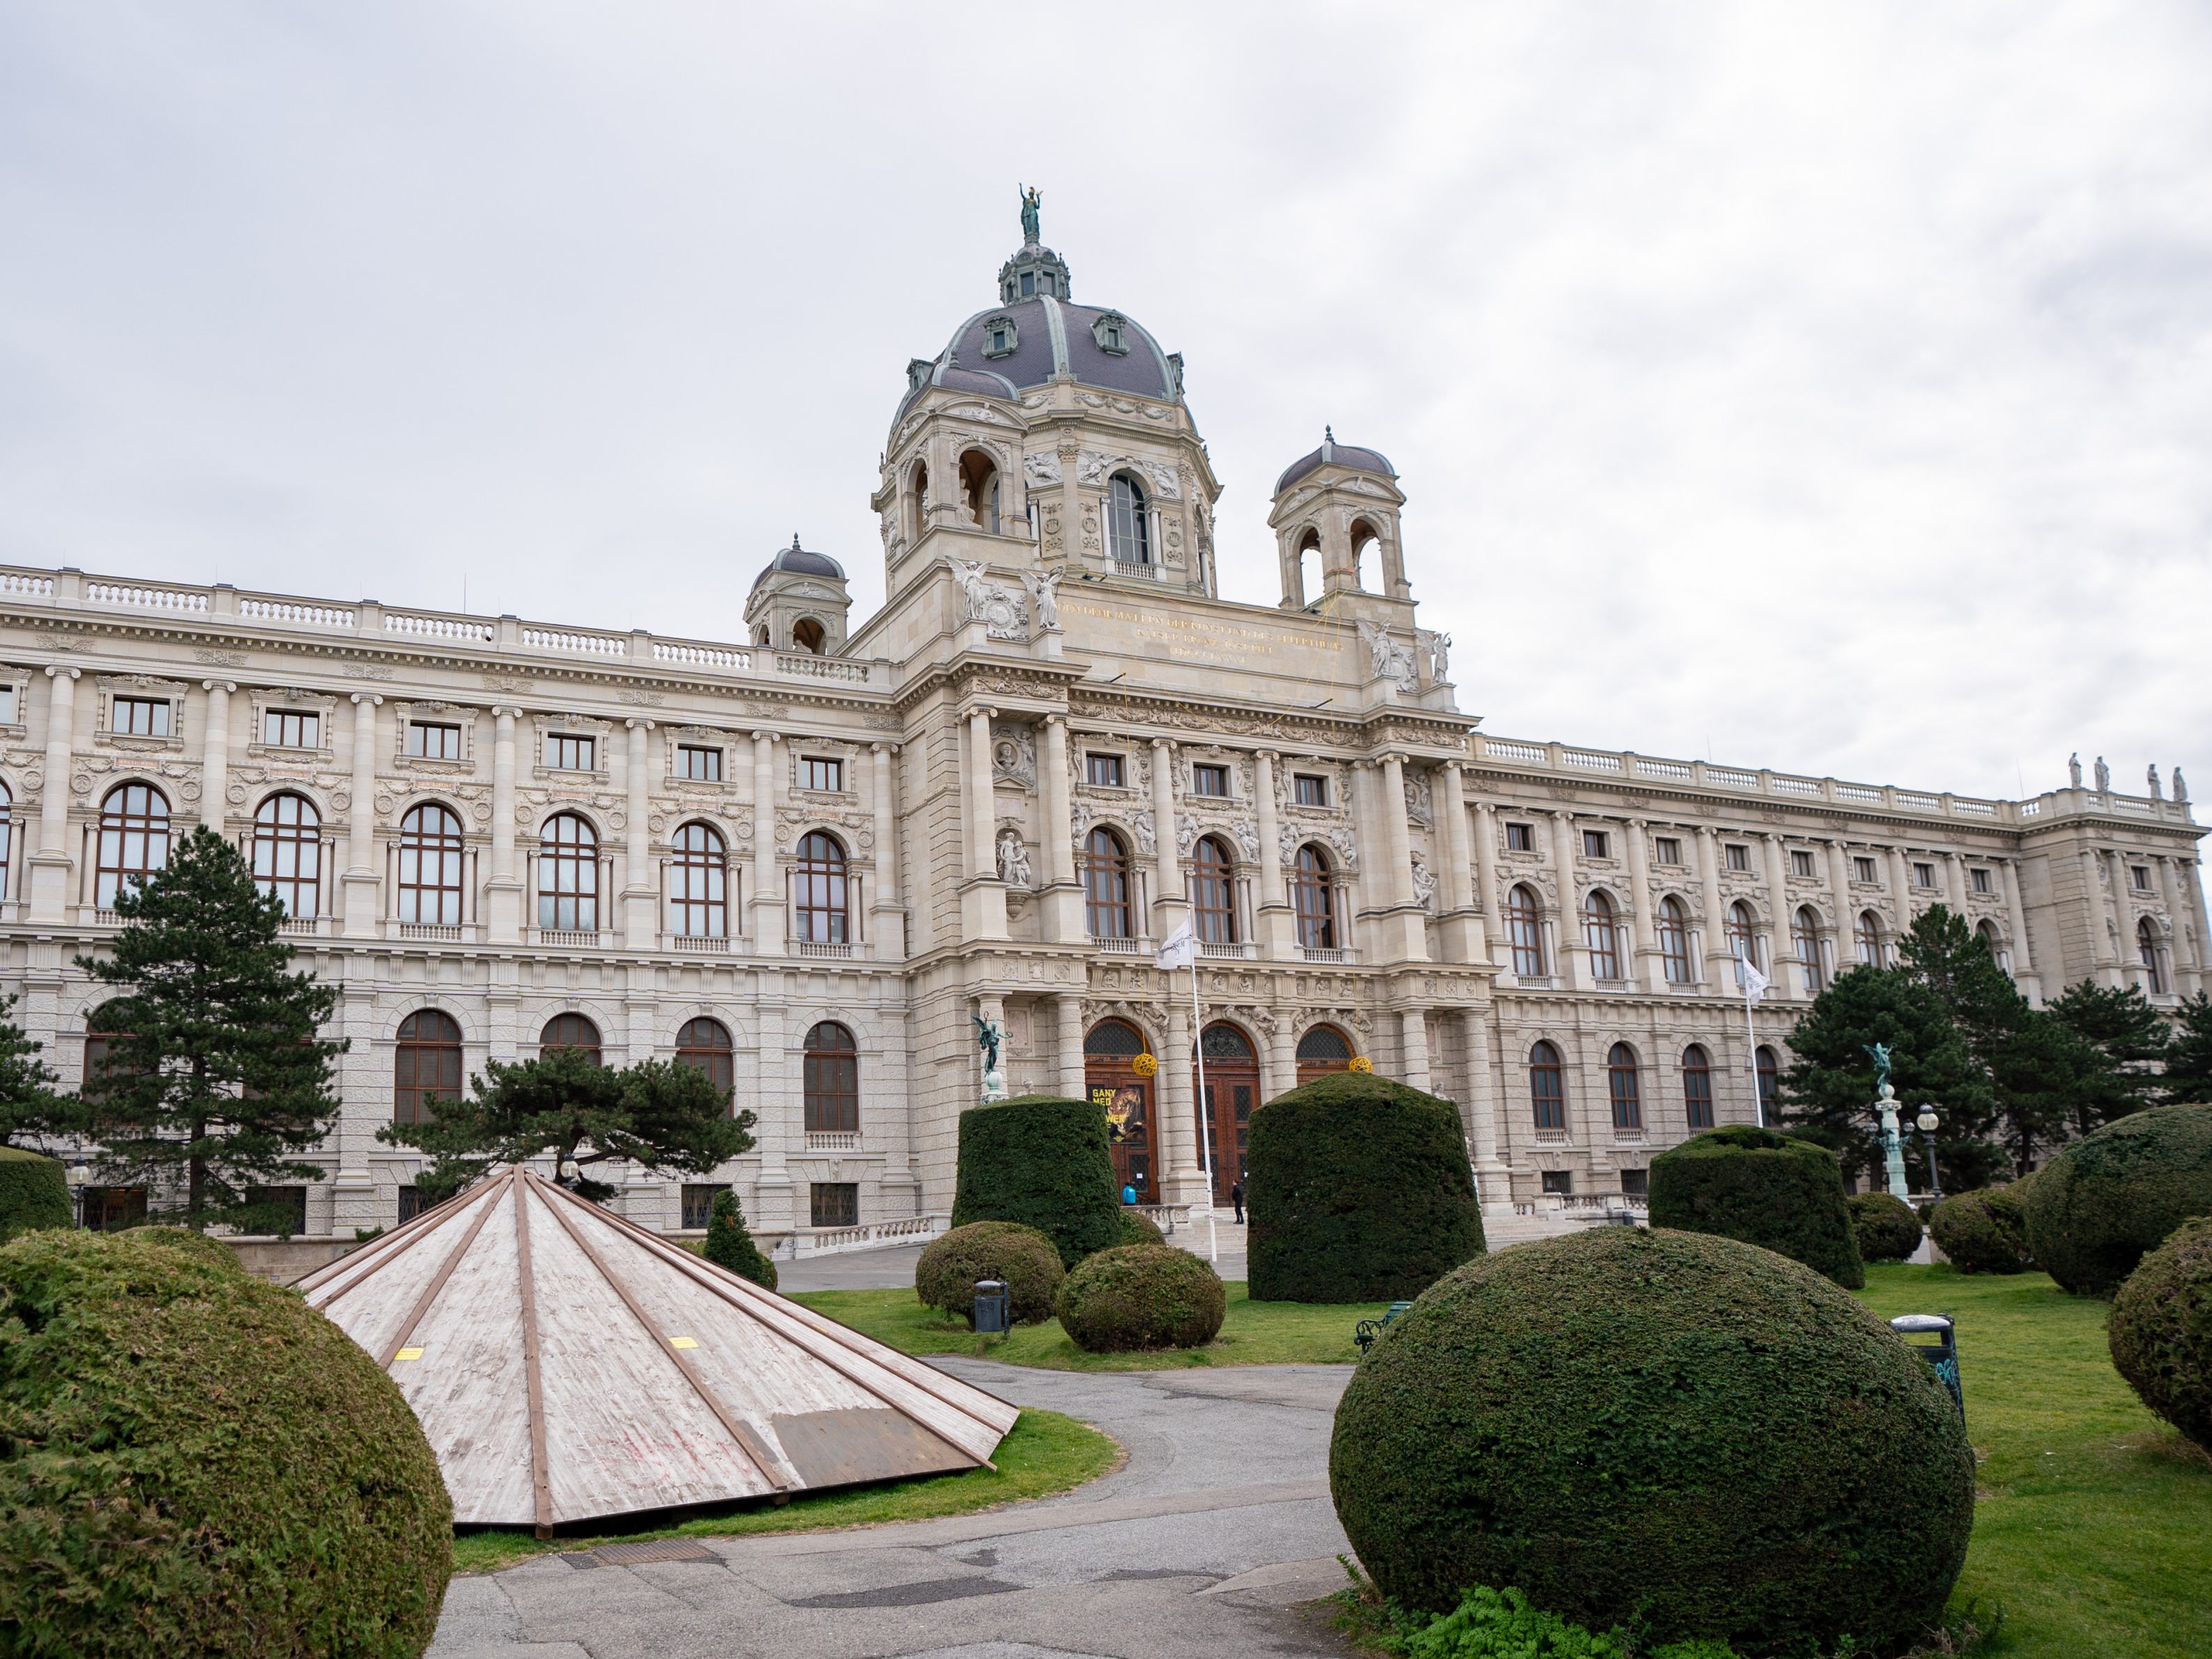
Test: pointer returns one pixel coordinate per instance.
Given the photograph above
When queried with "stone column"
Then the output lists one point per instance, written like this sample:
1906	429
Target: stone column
2023	958
362	881
1571	974
641	892
983	896
503	891
49	868
1278	1061
1481	1107
1720	960
1068	1048
1168	898
1462	931
766	910
2194	891
779	1200
1650	969
1954	884
1900	885
1277	926
1186	1181
214	758
1781	949
2127	970
2182	971
886	919
1403	931
1063	898
1485	867
1847	914
1414	1047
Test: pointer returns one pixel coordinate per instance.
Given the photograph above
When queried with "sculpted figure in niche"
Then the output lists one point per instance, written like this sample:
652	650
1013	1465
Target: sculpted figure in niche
974	591
1013	859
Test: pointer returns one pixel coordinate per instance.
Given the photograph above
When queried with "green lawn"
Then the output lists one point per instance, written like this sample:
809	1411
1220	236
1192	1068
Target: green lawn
1044	1453
2093	1530
1253	1334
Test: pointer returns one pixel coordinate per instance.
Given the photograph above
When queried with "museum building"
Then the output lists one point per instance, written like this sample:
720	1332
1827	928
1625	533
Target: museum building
806	861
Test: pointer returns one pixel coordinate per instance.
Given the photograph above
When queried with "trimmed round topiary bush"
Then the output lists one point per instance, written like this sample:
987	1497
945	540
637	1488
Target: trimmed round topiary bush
729	1244
1983	1232
1658	1427
198	1245
2160	1330
2101	1204
1359	1189
1022	1256
1141	1296
198	1463
1040	1160
1138	1228
1885	1227
1761	1187
34	1192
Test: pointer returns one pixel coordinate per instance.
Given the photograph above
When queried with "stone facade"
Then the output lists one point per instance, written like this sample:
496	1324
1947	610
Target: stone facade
1055	658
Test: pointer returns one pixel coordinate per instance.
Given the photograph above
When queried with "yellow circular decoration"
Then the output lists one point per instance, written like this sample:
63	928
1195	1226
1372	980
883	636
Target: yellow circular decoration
1360	1063
1144	1065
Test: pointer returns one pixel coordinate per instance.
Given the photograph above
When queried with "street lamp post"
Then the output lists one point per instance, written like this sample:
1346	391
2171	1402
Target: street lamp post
1928	1123
79	1178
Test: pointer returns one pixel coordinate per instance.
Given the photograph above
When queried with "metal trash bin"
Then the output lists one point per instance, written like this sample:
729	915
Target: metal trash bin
1943	1353
992	1308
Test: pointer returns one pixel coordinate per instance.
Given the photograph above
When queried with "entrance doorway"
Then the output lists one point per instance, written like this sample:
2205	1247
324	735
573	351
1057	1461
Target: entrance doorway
1232	1090
1120	1073
1322	1050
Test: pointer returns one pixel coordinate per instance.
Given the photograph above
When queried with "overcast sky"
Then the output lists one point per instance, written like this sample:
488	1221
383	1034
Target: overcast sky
1828	388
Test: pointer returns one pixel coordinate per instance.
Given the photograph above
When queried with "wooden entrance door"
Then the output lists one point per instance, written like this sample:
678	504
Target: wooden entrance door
1120	1075
1321	1051
1232	1090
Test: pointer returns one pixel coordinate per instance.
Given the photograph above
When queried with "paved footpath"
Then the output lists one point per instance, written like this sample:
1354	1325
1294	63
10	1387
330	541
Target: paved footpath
892	1268
1199	1545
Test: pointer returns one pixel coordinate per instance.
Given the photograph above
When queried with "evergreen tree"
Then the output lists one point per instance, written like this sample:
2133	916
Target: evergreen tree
657	1113
31	1113
729	1245
2133	1037
2188	1073
214	1073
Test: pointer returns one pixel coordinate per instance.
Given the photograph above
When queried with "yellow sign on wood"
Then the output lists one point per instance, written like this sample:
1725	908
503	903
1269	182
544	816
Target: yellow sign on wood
681	1342
408	1353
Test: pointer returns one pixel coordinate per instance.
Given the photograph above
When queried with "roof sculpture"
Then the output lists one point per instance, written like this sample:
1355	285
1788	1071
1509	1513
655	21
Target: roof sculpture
567	1365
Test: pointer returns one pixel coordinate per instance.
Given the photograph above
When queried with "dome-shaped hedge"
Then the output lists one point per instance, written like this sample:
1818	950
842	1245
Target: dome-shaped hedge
198	1245
2102	1202
1138	1228
1359	1189
1140	1296
197	1464
1983	1232
1762	1188
1022	1257
1662	1426
2161	1330
34	1192
1885	1227
1041	1160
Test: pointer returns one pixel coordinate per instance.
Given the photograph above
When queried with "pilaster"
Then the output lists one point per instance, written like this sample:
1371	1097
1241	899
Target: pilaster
51	867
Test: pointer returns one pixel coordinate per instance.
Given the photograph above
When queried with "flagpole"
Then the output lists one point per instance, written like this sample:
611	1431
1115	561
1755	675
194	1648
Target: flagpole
1205	1111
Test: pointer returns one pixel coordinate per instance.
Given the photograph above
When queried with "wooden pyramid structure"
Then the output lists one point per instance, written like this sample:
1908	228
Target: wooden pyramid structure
567	1365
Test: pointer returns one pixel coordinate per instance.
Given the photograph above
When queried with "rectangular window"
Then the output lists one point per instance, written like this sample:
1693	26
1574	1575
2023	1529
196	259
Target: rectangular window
140	717
1308	790
1103	771
814	773
1923	875
1636	1183
700	764
1209	780
1595	843
1560	1182
1739	857
1862	870
114	1209
411	1202
2139	878
1979	881
564	753
1666	849
290	1204
699	1202
8	705
833	1203
288	730
1800	862
1520	837
428	740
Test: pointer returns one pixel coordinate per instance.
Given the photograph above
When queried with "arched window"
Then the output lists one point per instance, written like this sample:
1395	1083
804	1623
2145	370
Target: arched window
1770	1083
1675	943
7	828
704	1045
818	886
1987	933
1310	576
134	839
1321	1051
99	1054
807	635
979	484
426	1065
831	1081
1547	1094
1362	536
571	1032
430	867
1805	939
1743	938
1601	933
568	875
1311	901
1213	891
1524	926
288	853
1113	1038
1622	1083
698	882
1698	1087
2147	949
1106	909
1127	524
1867	937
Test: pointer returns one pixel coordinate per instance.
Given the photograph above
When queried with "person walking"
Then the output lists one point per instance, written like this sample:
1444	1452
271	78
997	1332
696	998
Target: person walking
1237	1198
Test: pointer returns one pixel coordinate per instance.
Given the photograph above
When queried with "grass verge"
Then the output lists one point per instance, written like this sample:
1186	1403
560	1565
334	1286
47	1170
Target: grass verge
1042	1453
1253	1334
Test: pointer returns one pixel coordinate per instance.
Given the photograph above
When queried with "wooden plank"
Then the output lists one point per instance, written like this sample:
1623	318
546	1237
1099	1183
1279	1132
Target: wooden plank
540	1485
430	1291
378	1251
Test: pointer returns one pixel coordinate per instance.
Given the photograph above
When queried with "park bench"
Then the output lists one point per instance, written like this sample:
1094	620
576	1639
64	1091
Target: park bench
1364	1332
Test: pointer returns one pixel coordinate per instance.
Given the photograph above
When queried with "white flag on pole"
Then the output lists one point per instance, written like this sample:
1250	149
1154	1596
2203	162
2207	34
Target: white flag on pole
1180	949
1754	982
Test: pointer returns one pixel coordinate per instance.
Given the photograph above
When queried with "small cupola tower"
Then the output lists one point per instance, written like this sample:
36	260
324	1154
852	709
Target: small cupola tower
799	603
1335	520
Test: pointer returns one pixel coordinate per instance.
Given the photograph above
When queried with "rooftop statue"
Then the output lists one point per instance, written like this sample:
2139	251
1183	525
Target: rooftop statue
1032	199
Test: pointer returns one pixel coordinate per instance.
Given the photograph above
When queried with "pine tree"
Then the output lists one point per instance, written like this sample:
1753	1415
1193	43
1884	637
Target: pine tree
31	1113
2188	1073
2133	1037
729	1245
214	1073
657	1113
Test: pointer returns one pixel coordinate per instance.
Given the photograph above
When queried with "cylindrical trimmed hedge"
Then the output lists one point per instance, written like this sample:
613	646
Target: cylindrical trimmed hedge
34	1192
1359	1189
1662	1427
2160	1330
1040	1160
197	1464
1885	1227
1022	1257
1141	1296
2101	1204
1983	1232
1761	1187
